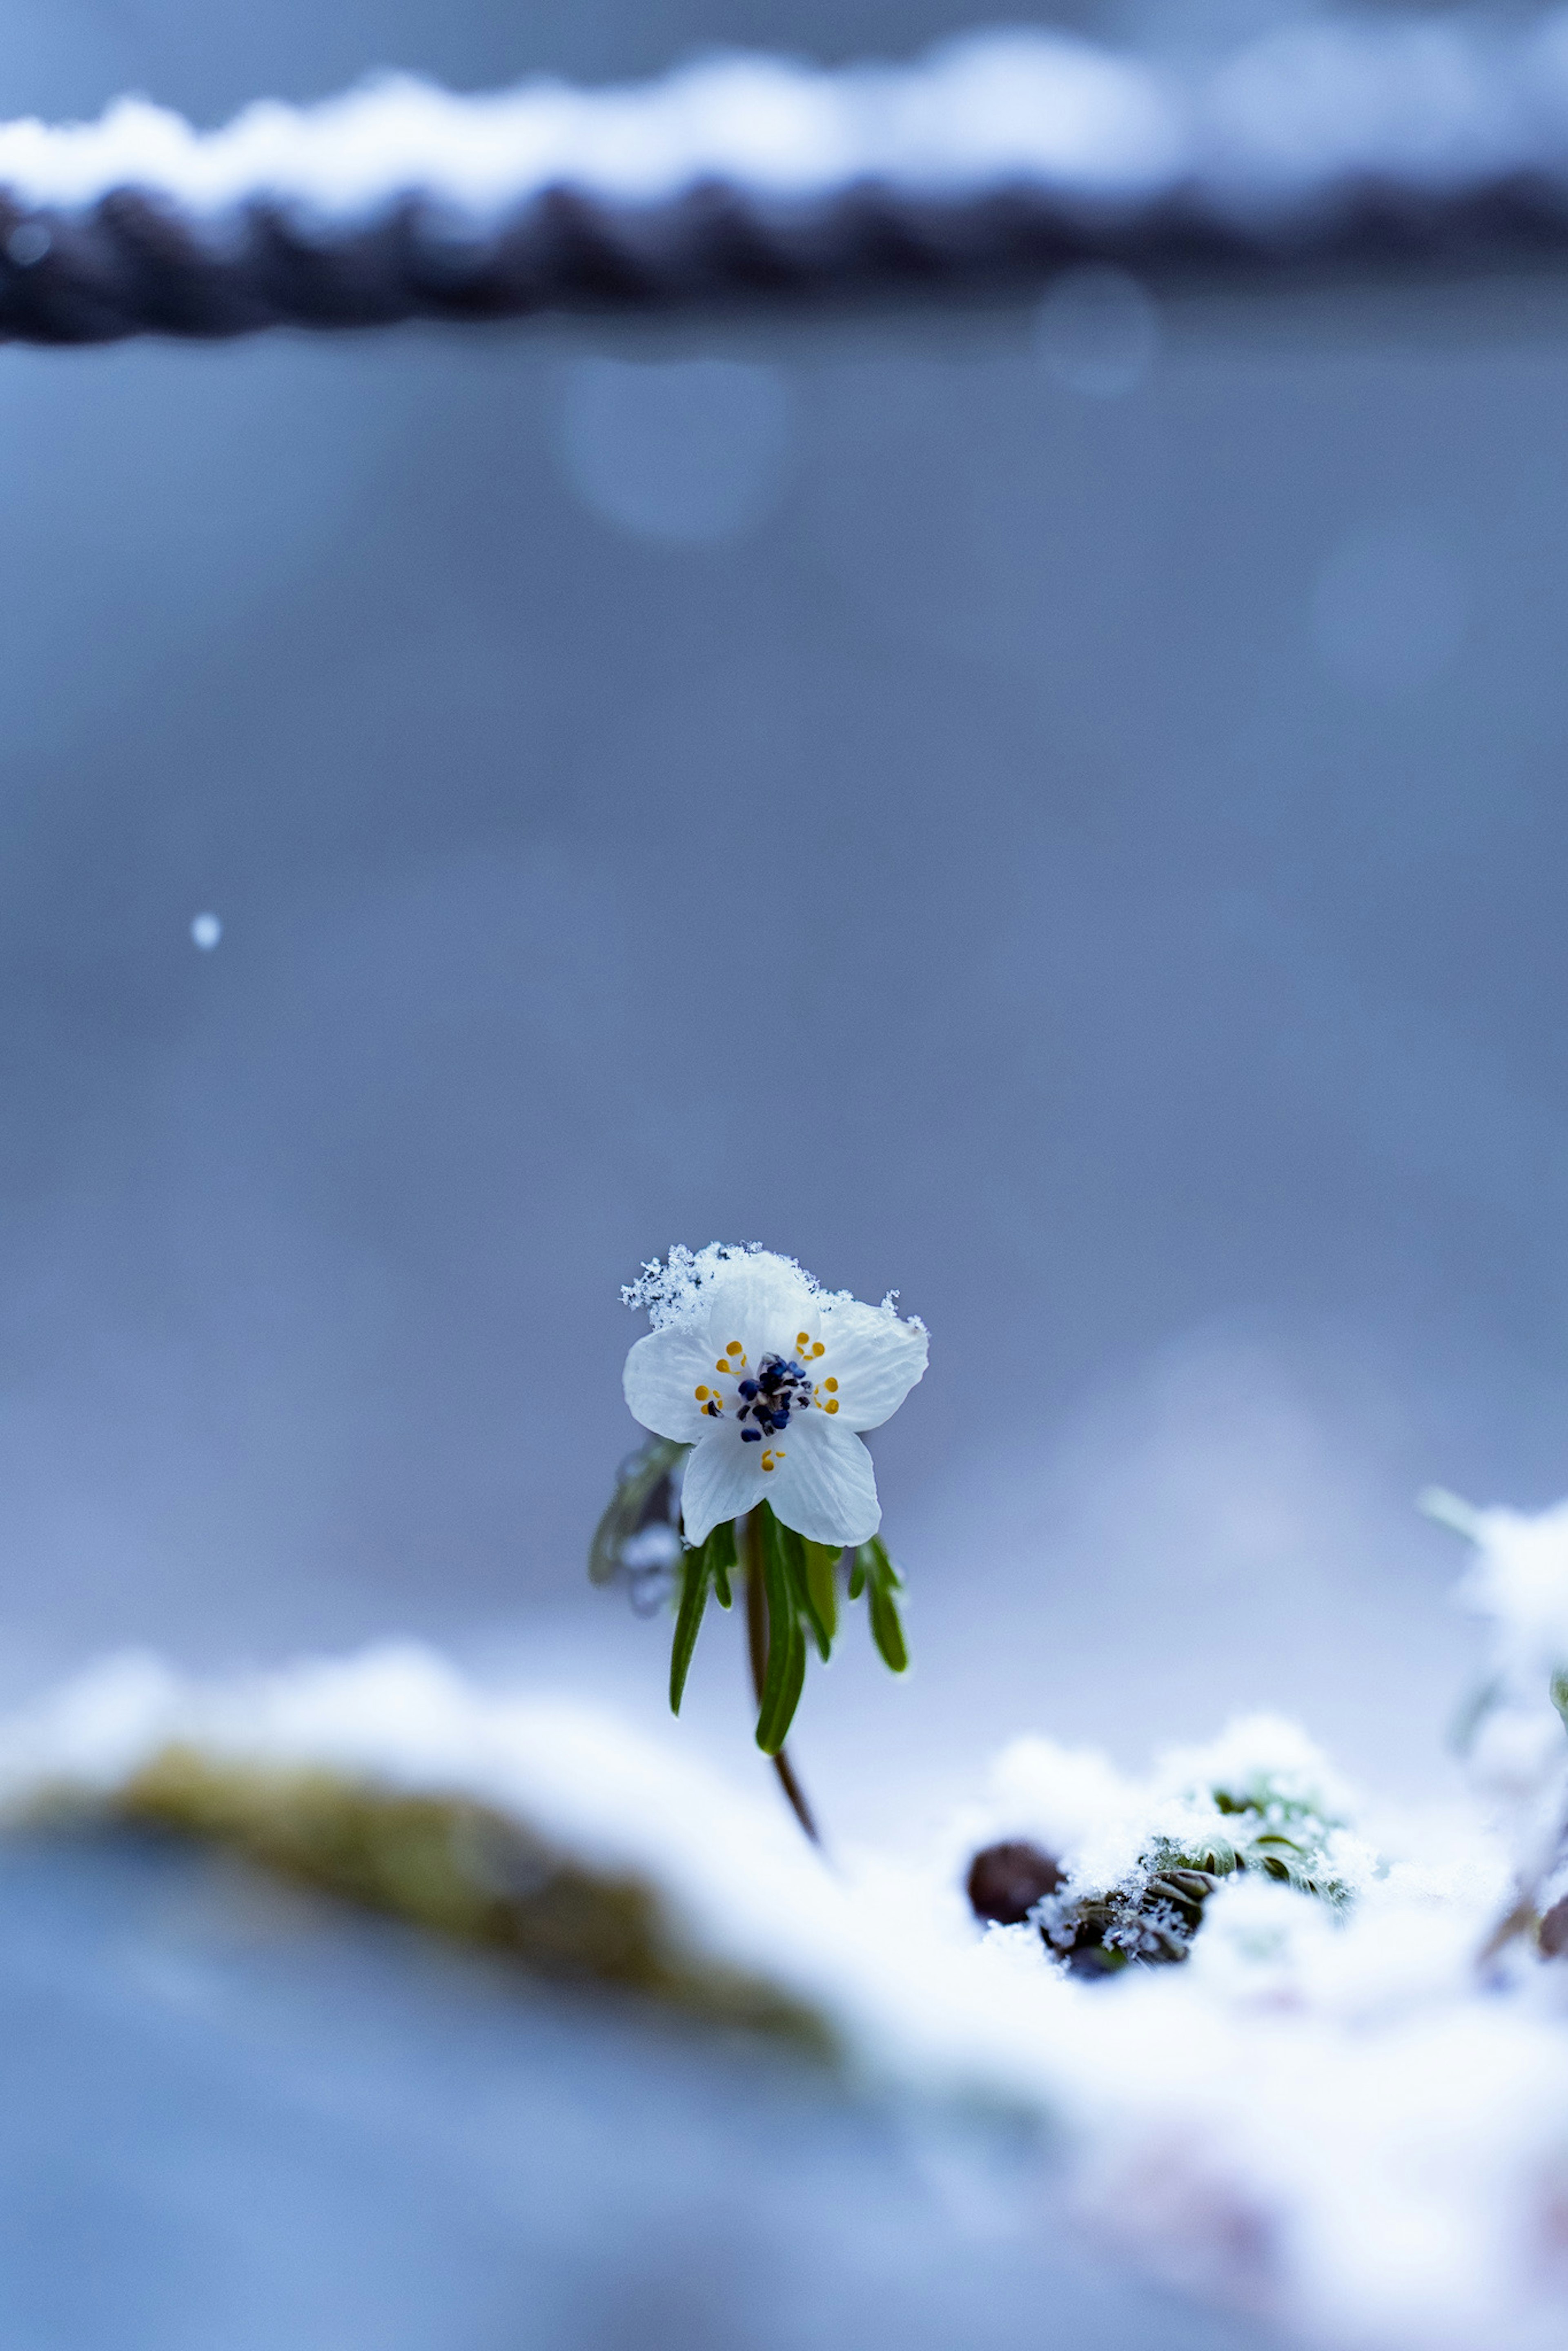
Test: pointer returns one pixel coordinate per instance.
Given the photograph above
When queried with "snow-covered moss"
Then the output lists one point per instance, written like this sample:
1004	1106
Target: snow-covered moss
462	1868
1326	2114
1138	1861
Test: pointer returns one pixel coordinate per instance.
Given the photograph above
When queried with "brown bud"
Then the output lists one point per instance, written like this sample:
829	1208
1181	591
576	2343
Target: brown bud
1553	1932
1006	1881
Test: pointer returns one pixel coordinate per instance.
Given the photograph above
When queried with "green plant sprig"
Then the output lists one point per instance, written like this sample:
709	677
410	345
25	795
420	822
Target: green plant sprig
801	1586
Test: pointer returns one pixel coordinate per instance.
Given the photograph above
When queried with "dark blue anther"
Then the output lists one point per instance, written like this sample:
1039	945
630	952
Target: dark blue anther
751	1437
749	1388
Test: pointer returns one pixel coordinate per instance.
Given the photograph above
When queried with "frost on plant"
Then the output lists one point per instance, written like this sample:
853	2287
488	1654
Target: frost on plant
1511	1731
1128	1868
637	1542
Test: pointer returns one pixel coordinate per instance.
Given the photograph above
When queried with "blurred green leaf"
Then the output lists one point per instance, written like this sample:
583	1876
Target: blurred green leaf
646	1472
1482	1700
1450	1511
883	1566
873	1570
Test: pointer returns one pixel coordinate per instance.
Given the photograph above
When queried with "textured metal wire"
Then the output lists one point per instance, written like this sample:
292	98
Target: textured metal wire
999	158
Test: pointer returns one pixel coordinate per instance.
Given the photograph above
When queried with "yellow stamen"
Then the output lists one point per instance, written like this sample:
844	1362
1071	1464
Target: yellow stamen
734	1348
701	1395
802	1338
832	1405
831	1386
819	1349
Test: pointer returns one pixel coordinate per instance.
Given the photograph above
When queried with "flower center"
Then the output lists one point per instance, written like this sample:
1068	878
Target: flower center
765	1398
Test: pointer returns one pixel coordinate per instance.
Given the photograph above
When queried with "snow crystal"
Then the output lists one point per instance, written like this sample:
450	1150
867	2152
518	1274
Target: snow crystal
677	1286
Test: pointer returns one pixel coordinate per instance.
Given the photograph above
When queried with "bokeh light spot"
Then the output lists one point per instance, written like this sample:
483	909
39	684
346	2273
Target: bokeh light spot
689	452
1097	331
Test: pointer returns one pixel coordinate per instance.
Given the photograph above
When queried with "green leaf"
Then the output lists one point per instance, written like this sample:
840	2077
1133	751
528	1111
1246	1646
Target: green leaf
887	1631
696	1576
785	1675
873	1570
793	1550
722	1561
821	1584
773	1727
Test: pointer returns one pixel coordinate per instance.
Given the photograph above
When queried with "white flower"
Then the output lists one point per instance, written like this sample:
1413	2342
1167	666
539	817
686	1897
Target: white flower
771	1379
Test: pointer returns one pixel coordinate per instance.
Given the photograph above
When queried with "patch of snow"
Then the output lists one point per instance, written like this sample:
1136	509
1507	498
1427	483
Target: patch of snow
1329	2115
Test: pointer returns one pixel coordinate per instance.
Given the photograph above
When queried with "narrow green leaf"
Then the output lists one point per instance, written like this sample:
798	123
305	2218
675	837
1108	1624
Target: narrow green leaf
859	1569
722	1561
785	1675
793	1549
695	1581
821	1583
887	1631
773	1728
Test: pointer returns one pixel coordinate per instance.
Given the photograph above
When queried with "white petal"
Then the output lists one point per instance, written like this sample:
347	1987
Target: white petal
662	1373
875	1358
724	1479
824	1486
761	1300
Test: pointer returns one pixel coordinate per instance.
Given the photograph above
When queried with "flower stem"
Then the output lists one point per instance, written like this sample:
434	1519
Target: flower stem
757	1642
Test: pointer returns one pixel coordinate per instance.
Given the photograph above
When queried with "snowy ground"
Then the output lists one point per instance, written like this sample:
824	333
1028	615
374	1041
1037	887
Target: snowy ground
1337	2114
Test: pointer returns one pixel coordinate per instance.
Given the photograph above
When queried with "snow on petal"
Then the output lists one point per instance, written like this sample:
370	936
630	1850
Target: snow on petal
664	1373
824	1486
724	1479
761	1369
758	1300
874	1356
681	1288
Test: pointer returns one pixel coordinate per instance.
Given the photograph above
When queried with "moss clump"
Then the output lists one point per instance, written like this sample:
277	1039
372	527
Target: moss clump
1154	1914
460	1869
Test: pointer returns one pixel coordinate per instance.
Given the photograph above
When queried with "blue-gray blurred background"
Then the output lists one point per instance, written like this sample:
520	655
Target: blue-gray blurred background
1058	809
